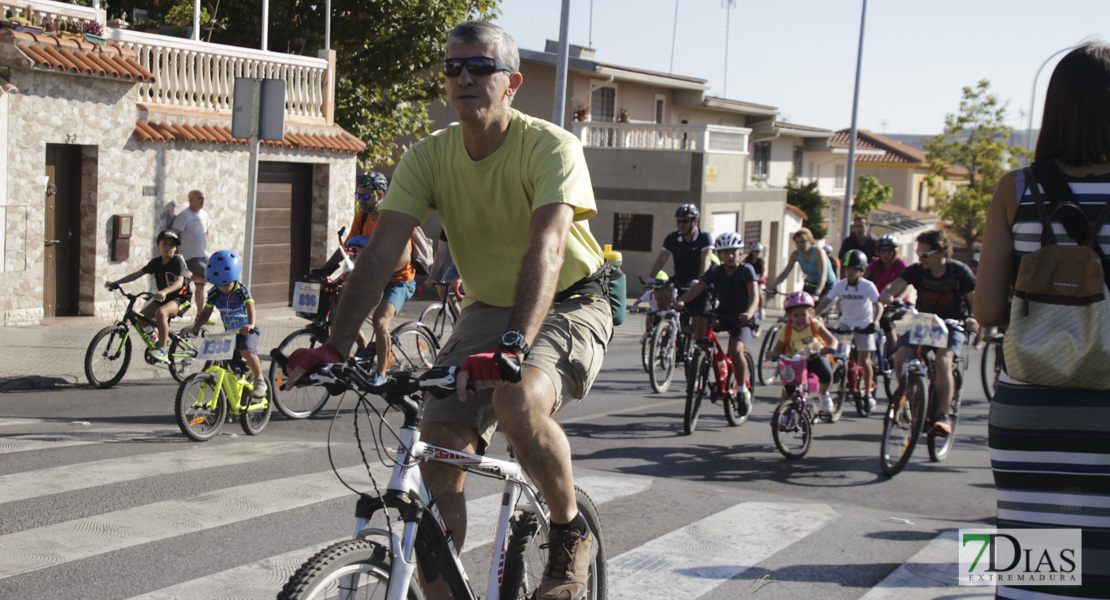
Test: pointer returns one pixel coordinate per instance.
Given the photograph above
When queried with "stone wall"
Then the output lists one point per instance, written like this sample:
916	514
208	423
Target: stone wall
99	114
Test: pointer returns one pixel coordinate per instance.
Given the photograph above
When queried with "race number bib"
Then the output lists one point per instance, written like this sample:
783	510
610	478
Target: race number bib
927	329
217	346
306	297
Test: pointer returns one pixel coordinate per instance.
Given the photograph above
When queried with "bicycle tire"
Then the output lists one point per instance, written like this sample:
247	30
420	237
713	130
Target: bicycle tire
525	560
841	395
111	368
320	577
697	375
645	349
789	419
413	346
902	426
768	369
990	368
200	422
662	356
183	361
939	446
302	402
435	317
254	421
750	380
737	411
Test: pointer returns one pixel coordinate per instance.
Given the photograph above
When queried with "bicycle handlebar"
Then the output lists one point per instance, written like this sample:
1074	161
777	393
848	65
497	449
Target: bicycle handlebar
139	296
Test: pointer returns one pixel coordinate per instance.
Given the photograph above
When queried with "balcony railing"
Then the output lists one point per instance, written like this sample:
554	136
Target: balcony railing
57	11
201	75
659	136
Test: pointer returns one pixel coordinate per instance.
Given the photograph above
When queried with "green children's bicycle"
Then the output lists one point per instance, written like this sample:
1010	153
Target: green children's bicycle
109	352
206	399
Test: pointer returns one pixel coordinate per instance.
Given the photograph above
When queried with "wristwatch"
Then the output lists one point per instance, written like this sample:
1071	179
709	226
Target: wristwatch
514	341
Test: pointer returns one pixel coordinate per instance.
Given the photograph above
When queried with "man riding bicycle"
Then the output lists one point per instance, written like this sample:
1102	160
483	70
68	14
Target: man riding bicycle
945	287
692	249
535	290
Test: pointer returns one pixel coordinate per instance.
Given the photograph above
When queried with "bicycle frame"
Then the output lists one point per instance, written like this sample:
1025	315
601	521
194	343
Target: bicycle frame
232	385
722	366
408	494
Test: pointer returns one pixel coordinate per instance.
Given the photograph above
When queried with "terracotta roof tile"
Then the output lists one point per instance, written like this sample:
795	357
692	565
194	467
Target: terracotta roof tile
51	52
333	138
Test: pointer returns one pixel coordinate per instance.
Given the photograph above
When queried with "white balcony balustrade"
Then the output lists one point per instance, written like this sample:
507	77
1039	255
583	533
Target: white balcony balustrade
56	11
660	136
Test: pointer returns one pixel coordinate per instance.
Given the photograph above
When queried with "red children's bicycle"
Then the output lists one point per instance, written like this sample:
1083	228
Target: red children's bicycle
710	358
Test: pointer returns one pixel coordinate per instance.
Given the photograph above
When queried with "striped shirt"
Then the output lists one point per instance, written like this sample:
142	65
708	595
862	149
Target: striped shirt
1091	192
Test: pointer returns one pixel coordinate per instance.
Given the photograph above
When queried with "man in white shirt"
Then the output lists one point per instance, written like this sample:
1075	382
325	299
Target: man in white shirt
192	226
859	309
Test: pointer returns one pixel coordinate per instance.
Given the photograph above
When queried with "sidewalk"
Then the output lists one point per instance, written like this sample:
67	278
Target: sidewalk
52	355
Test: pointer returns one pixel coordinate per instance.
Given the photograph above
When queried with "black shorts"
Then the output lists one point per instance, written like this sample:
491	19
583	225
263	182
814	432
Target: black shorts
743	332
248	341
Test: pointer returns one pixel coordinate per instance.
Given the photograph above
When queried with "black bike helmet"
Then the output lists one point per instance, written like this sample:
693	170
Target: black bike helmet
169	235
373	180
687	211
855	259
887	240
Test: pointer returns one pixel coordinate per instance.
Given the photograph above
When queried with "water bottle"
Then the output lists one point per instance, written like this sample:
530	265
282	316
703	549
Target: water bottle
613	257
618	285
152	332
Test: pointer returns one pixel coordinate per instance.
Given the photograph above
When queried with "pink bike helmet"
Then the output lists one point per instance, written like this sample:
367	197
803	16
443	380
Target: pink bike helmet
798	299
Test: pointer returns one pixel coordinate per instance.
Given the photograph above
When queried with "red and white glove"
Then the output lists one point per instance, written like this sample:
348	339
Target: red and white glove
488	369
307	359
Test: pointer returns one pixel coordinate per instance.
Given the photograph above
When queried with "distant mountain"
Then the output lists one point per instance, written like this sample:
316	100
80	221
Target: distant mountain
915	140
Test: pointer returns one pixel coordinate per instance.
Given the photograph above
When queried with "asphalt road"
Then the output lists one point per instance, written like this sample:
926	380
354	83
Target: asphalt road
102	497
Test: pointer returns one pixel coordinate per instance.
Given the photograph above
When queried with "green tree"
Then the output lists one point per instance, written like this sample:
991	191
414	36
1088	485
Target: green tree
387	54
870	194
977	138
811	202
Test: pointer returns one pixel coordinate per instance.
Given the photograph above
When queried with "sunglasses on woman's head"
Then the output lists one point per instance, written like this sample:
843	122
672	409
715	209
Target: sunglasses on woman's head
475	65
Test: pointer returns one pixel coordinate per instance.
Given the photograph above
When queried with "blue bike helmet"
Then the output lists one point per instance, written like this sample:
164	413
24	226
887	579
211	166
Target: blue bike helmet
224	267
359	241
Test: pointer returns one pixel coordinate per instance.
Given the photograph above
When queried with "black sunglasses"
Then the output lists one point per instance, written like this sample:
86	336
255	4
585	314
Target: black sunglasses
682	221
367	197
475	65
886	250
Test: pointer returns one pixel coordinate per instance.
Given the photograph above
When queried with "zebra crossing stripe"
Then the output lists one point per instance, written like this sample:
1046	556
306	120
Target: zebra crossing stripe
83	435
49	546
56	480
931	573
261	580
689	562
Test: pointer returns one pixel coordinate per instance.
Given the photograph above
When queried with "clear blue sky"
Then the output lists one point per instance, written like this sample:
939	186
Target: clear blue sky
800	55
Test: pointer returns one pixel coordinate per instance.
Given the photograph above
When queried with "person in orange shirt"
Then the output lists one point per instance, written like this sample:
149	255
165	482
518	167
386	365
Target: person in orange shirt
370	190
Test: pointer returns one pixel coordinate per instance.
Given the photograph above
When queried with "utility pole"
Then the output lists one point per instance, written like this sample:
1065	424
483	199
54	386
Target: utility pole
846	228
561	66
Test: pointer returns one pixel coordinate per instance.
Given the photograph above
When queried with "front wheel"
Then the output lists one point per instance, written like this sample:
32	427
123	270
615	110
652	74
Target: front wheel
201	407
301	402
436	318
525	559
840	396
662	356
990	368
347	569
737	409
414	346
791	429
697	379
768	368
940	445
902	426
108	355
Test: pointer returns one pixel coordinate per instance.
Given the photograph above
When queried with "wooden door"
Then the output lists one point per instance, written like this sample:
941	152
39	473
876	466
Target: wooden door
283	220
62	234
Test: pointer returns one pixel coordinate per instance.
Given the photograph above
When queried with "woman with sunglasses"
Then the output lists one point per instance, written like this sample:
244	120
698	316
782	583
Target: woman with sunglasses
945	287
883	271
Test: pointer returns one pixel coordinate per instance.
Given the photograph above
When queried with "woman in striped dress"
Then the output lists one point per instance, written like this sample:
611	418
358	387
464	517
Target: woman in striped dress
1050	447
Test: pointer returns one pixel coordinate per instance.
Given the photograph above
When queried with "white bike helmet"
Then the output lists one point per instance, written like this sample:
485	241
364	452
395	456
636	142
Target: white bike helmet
728	241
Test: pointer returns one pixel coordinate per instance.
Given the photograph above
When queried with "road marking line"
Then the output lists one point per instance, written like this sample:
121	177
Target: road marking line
261	580
56	480
688	563
931	573
83	435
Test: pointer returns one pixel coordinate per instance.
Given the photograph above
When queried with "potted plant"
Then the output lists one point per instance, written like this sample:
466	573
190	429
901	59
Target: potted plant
623	116
179	19
71	29
94	32
582	113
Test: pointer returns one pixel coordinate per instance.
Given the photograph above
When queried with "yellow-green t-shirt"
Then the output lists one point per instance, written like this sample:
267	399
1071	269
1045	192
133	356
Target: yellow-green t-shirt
801	340
485	206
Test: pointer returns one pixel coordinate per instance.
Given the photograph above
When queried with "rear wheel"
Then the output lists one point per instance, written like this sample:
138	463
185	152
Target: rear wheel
902	426
108	355
256	414
525	559
791	429
414	347
301	402
940	445
990	368
697	376
351	569
736	409
768	369
662	356
183	358
201	407
645	348
840	396
435	317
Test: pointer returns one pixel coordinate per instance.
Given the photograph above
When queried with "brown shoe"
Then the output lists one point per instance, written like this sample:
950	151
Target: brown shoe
568	564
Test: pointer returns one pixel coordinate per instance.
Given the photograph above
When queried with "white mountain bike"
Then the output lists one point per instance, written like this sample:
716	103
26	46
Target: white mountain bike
382	563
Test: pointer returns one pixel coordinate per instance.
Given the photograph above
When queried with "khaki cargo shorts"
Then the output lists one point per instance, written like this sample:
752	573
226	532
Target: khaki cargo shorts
569	348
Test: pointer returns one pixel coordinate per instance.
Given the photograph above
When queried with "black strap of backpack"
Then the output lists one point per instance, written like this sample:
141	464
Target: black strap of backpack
1060	195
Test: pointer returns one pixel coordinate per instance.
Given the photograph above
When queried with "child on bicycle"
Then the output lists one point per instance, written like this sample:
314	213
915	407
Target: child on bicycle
171	275
860	309
804	331
737	289
236	311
